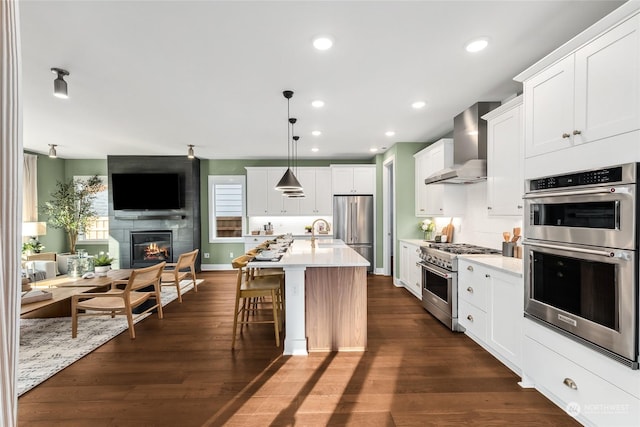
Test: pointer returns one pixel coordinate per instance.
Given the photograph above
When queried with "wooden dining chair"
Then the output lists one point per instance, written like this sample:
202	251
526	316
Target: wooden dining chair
120	302
176	272
252	288
271	272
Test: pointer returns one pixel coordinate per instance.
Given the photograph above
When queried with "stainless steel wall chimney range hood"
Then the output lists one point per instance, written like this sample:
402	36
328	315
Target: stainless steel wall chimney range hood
469	147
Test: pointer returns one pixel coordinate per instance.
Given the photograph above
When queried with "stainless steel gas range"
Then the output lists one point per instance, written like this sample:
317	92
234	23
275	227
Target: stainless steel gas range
440	278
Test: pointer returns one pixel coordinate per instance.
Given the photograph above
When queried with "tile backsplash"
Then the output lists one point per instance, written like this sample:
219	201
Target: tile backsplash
477	227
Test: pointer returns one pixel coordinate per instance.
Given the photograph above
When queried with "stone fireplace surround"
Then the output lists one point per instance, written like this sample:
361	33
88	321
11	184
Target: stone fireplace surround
183	223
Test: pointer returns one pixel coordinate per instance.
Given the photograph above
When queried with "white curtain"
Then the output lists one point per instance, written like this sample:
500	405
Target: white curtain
10	207
30	188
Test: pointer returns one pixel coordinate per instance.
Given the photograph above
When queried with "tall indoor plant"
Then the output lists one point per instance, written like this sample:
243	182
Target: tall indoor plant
71	207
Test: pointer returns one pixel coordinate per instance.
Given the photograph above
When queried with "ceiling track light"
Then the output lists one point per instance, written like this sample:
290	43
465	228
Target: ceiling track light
288	180
52	151
59	85
190	154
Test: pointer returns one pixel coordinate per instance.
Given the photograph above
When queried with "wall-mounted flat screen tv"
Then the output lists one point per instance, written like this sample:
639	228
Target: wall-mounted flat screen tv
147	191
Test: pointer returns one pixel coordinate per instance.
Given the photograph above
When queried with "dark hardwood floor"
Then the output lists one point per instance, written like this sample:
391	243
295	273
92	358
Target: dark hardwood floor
180	371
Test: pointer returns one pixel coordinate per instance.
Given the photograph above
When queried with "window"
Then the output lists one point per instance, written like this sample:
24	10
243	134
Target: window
226	206
98	231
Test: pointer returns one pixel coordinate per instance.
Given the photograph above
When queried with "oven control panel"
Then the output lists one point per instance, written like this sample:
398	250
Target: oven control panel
594	177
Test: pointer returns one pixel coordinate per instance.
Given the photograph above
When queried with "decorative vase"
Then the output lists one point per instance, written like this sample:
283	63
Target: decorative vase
428	235
101	270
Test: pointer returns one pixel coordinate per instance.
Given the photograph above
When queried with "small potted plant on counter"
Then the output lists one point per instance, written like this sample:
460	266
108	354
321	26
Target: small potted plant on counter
428	227
102	264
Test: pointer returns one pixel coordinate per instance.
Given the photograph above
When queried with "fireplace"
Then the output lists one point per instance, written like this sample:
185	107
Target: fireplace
150	247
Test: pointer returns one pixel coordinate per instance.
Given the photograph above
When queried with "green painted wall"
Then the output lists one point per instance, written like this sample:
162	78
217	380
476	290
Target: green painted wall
404	190
51	171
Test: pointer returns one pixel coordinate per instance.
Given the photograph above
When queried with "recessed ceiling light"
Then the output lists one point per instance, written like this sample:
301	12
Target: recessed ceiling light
323	42
316	133
477	45
318	103
373	150
315	150
389	133
418	104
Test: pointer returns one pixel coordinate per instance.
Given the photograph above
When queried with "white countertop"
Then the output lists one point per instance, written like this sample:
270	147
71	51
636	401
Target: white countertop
417	242
327	253
510	265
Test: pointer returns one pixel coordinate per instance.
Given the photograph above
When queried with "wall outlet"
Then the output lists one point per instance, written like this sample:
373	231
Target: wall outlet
206	255
230	254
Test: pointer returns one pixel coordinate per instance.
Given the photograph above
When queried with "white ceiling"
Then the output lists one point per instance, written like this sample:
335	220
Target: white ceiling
150	77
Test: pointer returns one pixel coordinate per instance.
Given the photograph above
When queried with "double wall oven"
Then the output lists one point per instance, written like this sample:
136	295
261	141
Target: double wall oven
581	258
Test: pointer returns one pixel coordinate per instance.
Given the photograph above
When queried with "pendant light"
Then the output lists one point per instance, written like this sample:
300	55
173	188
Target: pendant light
190	154
288	180
294	194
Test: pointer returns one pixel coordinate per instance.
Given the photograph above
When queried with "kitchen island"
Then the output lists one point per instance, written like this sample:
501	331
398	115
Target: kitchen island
325	297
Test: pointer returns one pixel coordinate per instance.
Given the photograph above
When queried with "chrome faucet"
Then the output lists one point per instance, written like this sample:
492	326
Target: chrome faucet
313	230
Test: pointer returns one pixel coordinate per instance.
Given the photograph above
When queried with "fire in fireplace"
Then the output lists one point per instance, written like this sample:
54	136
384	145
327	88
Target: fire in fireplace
150	247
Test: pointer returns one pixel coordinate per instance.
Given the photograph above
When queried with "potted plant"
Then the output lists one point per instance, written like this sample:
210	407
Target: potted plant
71	207
102	263
427	226
33	246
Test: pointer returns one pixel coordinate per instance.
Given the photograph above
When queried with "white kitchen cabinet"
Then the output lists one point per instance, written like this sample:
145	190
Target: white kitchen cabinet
437	199
410	270
353	179
257	192
505	177
491	308
316	183
277	203
590	95
262	197
596	390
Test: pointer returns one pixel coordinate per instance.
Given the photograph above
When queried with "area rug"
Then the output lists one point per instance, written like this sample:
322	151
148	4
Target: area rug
46	346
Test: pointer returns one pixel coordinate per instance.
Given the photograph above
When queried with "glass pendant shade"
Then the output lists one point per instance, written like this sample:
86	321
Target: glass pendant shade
288	182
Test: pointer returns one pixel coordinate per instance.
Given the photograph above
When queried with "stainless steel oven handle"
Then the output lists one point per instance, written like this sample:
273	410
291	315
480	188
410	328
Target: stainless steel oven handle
599	190
608	254
434	271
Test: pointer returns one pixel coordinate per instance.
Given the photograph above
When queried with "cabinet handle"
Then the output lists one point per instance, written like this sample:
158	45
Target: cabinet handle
470	319
421	210
566	135
470	289
487	275
519	206
489	207
570	383
577	132
470	267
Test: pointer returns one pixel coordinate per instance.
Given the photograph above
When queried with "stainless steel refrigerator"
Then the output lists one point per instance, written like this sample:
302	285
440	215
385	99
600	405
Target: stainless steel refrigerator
353	223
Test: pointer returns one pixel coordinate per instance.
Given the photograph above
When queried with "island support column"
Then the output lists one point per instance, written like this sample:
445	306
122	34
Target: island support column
295	339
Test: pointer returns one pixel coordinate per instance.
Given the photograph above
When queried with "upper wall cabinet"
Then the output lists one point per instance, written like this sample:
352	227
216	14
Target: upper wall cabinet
587	96
316	183
505	176
353	179
262	197
437	199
